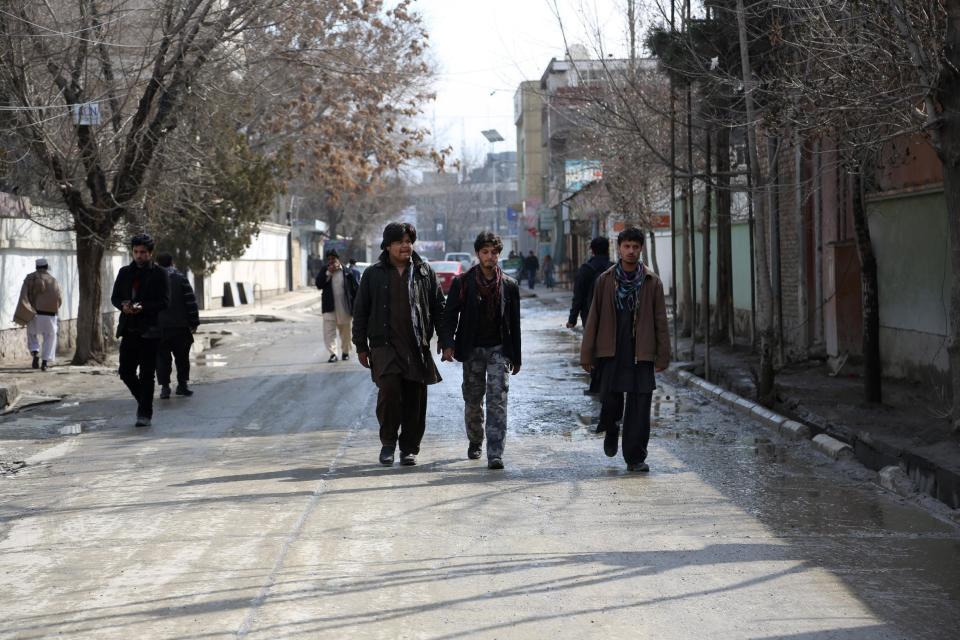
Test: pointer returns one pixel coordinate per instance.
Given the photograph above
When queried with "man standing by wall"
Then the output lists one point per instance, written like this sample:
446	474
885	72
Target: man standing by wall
141	292
481	329
40	299
178	322
626	339
397	306
339	287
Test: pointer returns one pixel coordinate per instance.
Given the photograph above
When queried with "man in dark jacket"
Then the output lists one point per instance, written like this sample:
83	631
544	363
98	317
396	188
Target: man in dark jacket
178	323
140	292
394	314
531	264
586	277
339	290
481	329
626	339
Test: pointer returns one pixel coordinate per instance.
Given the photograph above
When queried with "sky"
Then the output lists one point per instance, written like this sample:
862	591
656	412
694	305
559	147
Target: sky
485	48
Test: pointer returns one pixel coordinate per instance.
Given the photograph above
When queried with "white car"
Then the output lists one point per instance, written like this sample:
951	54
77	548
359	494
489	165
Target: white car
466	259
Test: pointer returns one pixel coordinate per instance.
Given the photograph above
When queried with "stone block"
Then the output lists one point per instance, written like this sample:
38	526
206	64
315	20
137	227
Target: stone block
895	479
794	430
832	447
9	392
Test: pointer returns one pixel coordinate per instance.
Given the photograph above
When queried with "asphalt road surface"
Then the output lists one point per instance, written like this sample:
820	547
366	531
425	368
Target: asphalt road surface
257	509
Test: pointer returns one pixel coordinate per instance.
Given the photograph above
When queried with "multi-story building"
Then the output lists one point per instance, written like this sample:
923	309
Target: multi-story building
531	174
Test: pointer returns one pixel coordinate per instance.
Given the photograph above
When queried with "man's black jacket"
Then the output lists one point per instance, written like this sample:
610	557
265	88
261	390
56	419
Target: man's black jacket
587	276
182	312
371	309
325	283
152	292
460	318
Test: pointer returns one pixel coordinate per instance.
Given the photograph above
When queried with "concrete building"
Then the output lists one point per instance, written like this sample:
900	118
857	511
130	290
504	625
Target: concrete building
531	173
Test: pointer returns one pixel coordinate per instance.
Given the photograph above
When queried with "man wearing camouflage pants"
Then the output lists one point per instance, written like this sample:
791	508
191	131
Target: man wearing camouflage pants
481	329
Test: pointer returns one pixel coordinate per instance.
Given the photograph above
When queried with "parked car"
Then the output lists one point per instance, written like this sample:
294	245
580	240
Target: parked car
466	259
446	271
361	267
510	267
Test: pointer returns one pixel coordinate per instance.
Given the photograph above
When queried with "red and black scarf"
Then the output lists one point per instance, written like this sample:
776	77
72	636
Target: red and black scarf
489	291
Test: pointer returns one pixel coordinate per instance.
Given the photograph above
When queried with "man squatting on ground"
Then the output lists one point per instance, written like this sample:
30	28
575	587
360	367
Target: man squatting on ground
339	291
40	299
398	303
626	339
141	292
481	329
178	322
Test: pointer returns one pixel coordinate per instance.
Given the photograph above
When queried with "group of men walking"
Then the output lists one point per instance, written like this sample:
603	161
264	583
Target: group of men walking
396	308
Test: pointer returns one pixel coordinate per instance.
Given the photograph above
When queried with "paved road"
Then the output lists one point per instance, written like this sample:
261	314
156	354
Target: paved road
256	509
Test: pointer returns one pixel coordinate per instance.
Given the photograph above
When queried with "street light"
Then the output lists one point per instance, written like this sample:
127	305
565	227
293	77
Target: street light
493	137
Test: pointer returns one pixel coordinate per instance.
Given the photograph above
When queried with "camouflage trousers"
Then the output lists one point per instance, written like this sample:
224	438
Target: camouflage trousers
486	373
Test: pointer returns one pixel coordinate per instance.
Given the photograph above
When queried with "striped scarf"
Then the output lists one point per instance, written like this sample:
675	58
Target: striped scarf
489	291
628	286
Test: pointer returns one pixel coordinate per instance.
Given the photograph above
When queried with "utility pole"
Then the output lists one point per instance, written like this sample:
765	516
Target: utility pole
673	197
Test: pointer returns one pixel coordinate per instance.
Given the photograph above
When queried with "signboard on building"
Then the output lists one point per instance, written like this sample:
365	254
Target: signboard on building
580	173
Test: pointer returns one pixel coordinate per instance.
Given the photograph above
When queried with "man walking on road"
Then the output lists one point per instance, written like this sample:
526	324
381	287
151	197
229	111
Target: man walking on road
531	265
178	322
141	292
40	299
586	277
481	329
397	306
339	287
626	339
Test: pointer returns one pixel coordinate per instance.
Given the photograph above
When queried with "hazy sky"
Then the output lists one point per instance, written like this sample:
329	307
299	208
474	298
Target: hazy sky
485	48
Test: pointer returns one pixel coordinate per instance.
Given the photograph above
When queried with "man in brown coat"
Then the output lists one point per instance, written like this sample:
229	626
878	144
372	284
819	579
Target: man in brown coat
626	339
40	300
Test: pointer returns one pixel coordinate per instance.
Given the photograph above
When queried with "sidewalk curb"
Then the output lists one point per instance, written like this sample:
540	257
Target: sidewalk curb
891	478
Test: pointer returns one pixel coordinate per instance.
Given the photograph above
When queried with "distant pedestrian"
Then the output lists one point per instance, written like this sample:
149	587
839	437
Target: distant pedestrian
141	292
586	278
339	287
40	300
353	267
481	329
626	339
178	322
548	268
531	264
397	307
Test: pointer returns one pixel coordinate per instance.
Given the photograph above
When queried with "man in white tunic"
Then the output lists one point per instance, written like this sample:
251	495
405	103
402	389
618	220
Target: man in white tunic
339	287
40	300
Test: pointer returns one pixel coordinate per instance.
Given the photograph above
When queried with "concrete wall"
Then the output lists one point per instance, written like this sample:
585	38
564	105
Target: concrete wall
21	243
264	264
911	240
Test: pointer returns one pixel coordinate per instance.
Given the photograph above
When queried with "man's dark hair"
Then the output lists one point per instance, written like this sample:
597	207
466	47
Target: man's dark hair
332	254
600	246
630	234
395	231
164	259
142	240
488	239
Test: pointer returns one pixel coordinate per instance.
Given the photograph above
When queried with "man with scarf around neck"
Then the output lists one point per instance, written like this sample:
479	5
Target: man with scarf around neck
481	329
394	313
626	340
141	292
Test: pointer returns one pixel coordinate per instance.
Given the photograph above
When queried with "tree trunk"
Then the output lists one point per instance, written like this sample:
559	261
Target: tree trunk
869	293
90	347
705	239
948	147
686	310
652	252
724	304
765	322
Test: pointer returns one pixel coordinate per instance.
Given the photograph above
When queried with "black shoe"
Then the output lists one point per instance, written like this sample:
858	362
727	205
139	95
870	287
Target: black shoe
474	450
610	441
408	459
43	366
142	421
345	356
164	391
386	455
639	466
182	390
332	358
495	463
36	360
